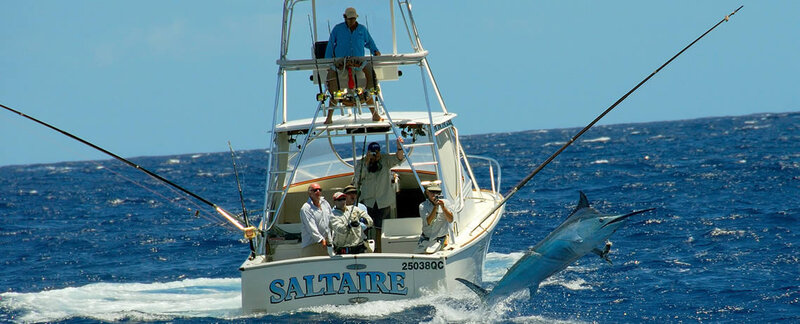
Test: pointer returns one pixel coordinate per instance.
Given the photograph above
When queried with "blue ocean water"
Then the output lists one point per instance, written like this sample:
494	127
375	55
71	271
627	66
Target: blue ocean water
99	241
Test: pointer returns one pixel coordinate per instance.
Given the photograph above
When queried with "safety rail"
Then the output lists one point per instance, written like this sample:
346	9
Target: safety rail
495	180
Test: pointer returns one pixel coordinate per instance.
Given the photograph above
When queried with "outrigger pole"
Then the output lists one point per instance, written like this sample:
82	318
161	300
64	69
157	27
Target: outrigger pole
249	231
241	199
524	181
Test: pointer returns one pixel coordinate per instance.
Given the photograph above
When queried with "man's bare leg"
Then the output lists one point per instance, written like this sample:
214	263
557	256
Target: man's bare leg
329	120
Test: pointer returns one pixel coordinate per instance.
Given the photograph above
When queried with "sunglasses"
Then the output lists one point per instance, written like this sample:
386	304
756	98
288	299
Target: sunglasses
340	199
315	190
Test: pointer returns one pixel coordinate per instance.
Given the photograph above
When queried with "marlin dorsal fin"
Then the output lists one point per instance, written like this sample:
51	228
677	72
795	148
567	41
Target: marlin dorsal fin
583	202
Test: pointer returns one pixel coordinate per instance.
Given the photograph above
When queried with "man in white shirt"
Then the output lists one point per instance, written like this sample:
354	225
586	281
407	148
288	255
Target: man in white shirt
315	216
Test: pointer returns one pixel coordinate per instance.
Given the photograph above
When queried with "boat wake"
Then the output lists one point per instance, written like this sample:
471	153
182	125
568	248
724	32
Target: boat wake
221	299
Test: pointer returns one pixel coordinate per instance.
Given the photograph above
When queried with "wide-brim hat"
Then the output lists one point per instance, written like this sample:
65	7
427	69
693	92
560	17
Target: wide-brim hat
349	188
434	187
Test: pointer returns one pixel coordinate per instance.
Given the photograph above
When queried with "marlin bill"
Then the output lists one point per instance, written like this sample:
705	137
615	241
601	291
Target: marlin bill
583	232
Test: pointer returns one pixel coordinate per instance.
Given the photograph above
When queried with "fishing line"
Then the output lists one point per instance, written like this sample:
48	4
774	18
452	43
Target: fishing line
109	168
198	208
249	231
554	155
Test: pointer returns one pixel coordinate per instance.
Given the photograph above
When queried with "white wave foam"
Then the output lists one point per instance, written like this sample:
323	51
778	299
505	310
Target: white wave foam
449	308
220	298
599	139
600	162
577	284
720	232
554	144
173	161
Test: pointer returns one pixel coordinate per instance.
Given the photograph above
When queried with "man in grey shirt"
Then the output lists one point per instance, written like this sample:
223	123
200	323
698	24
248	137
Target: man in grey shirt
436	216
374	177
348	224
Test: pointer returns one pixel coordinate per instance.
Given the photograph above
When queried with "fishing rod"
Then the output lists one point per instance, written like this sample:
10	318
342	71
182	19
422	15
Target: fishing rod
541	166
241	199
321	94
361	168
249	231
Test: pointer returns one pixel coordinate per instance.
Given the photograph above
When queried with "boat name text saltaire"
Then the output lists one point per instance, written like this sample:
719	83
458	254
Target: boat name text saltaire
368	282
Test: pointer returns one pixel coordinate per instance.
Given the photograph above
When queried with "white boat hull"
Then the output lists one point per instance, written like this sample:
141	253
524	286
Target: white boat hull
287	285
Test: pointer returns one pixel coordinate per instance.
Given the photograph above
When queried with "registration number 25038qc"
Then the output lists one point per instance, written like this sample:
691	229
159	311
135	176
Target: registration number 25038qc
423	265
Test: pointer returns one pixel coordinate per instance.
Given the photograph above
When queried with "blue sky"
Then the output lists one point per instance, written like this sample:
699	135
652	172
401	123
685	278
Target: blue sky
170	77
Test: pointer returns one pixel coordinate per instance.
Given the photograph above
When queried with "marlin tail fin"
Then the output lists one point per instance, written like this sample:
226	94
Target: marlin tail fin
482	293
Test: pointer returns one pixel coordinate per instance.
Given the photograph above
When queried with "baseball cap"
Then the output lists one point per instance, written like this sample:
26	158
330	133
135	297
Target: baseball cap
374	147
350	13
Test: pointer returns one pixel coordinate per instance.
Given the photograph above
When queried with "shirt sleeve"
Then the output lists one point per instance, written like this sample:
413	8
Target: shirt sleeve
337	224
307	218
364	214
369	43
394	161
331	43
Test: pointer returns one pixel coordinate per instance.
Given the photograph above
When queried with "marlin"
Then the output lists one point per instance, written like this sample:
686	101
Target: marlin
584	230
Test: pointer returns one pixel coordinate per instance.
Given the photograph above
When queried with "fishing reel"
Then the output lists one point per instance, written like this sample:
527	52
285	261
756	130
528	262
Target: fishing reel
250	232
339	94
360	222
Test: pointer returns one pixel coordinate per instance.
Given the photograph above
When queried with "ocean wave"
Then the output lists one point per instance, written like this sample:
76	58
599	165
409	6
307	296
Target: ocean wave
722	232
219	298
602	139
553	144
574	285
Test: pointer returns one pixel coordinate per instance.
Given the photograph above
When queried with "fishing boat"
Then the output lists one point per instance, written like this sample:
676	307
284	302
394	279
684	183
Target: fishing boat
325	148
308	150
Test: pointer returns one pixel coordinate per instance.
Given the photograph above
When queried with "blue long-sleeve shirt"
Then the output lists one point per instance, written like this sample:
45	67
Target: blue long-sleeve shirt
345	43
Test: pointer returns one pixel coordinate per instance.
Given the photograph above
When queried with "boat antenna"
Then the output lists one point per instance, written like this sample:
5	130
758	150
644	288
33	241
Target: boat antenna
546	162
241	199
249	231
